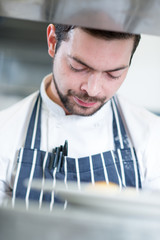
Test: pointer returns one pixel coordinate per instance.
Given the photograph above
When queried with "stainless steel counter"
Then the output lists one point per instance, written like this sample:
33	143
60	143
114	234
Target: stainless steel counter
137	16
74	223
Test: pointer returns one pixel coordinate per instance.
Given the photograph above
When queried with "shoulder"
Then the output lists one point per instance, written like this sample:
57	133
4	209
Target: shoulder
136	115
141	123
136	109
13	125
18	110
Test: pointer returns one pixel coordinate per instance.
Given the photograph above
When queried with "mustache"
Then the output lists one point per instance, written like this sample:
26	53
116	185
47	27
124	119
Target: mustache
85	97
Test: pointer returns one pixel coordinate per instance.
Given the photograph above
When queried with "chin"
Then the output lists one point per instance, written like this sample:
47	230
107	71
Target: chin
83	111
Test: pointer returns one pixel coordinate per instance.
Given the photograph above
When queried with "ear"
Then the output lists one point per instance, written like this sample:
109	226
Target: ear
51	40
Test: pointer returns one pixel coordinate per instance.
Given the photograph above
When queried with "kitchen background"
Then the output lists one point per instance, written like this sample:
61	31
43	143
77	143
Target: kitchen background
24	61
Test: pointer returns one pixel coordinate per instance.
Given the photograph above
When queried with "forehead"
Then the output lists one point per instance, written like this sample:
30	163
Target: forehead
95	49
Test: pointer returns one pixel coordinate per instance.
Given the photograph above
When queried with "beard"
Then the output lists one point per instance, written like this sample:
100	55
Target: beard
73	108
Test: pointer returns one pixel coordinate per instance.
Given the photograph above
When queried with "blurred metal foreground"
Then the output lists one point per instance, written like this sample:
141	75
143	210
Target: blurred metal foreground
74	223
136	16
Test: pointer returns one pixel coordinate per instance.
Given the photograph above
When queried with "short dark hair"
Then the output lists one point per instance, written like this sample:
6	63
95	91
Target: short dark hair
62	35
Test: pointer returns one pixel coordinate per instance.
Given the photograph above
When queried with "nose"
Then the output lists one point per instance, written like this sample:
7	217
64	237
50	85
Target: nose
93	85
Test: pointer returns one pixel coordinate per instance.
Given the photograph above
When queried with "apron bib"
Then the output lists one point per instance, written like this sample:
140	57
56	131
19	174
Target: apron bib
119	166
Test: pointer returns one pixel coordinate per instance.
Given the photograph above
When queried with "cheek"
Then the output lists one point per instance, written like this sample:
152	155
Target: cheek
66	79
111	87
120	81
61	74
118	84
71	79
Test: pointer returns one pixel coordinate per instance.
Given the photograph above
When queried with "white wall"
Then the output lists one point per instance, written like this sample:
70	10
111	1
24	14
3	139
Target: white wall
142	85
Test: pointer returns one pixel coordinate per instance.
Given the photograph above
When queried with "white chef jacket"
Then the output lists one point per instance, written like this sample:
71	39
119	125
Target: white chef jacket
85	135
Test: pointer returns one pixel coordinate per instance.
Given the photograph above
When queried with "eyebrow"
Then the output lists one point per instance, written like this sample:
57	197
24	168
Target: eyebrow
86	65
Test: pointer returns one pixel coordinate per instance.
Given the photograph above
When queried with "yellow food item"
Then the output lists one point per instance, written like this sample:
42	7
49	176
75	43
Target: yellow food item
104	184
102	187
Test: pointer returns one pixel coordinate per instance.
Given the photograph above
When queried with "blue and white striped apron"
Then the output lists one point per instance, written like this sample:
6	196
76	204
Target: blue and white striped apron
119	166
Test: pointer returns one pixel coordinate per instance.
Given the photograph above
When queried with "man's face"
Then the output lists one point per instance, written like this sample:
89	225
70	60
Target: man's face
88	71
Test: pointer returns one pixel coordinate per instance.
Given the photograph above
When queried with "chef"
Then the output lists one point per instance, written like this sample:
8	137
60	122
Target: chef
76	128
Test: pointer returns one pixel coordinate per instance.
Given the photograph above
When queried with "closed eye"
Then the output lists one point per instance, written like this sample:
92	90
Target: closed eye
113	77
77	69
116	74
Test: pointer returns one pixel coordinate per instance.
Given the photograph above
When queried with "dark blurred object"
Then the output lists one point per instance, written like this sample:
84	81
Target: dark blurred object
24	59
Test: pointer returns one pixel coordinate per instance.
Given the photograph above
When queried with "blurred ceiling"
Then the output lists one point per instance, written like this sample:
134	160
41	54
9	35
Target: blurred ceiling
137	16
